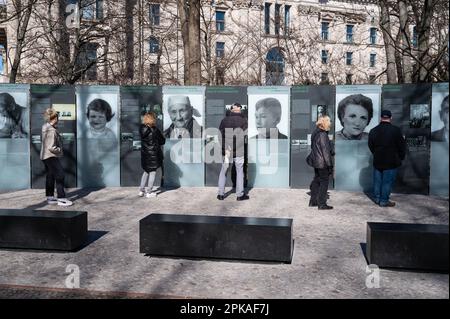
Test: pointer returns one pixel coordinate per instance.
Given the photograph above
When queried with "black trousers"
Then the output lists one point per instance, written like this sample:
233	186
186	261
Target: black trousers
319	186
55	174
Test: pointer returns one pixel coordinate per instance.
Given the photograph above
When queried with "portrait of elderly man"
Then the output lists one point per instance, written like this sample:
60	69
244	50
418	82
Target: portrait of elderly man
441	135
12	118
182	114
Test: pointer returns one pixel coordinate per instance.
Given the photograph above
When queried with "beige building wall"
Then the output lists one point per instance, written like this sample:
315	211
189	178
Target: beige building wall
246	44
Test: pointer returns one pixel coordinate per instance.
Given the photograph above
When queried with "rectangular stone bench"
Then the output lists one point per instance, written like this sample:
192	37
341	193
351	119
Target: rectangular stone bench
42	229
409	246
262	239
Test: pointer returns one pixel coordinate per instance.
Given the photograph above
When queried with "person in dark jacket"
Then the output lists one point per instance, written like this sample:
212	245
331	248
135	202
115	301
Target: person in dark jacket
151	153
233	129
388	147
321	158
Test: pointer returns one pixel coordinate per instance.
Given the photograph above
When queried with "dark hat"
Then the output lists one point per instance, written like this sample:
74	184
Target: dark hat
386	114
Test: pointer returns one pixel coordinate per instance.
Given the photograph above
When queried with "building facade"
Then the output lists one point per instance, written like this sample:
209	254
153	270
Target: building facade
243	42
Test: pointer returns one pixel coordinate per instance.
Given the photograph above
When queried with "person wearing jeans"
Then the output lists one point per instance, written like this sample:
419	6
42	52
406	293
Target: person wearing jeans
51	151
388	147
233	129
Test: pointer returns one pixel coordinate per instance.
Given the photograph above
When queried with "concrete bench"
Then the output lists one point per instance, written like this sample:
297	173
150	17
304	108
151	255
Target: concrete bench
42	229
409	246
262	239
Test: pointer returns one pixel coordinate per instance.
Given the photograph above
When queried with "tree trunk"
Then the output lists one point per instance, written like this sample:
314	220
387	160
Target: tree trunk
129	36
183	12
423	39
22	27
195	76
405	44
385	24
62	50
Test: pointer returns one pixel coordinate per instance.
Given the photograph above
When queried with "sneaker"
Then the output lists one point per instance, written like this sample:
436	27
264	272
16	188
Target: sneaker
64	202
141	194
243	197
150	195
52	200
388	204
220	197
325	207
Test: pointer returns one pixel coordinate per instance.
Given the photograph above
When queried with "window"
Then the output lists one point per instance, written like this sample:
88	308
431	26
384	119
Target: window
373	35
220	76
371	78
87	61
274	67
349	37
348	78
325	26
324	56
267	18
220	49
91	9
154	45
414	40
349	58
154	13
287	18
373	58
277	18
220	21
154	73
324	78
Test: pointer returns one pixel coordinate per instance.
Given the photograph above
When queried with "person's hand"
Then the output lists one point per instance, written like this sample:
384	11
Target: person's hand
227	153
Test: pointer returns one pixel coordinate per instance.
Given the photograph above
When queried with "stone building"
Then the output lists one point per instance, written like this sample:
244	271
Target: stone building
244	42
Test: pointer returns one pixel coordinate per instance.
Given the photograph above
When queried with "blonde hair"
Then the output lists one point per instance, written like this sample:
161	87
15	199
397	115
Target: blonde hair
50	114
324	123
149	119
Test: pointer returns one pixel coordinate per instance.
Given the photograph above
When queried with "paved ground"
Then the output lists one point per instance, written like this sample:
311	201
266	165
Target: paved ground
328	259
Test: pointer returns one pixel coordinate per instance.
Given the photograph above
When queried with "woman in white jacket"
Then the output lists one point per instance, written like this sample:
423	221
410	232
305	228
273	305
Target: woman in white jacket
51	151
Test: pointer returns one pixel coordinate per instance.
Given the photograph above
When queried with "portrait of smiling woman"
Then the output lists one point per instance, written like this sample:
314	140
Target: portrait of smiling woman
355	113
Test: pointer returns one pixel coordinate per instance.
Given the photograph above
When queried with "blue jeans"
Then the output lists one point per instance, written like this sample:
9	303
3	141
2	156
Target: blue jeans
382	185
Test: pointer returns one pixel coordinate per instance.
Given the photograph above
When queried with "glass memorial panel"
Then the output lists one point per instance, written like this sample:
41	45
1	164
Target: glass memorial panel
218	104
439	140
410	105
308	103
14	137
357	112
183	118
97	136
62	99
135	102
268	136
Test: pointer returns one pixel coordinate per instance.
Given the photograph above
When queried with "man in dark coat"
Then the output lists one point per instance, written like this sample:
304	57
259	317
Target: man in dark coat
388	147
233	129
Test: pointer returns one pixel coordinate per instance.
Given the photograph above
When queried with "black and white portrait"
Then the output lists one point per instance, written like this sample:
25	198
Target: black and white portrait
13	123
268	117
440	120
355	115
419	116
183	116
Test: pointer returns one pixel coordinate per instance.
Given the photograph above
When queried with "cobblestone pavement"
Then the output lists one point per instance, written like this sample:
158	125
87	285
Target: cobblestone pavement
328	259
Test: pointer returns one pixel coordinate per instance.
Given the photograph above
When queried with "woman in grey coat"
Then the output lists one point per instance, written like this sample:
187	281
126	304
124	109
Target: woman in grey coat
321	158
51	151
